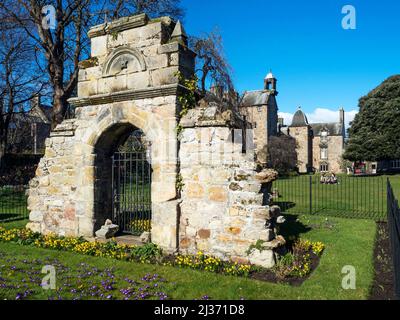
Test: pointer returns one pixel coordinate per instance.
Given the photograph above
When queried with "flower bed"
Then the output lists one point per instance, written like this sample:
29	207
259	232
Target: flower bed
296	264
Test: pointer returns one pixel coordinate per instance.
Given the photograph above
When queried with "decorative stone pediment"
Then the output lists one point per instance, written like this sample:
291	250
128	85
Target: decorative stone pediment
124	60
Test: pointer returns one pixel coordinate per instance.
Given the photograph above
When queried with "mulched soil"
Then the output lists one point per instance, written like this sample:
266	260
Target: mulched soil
270	276
383	284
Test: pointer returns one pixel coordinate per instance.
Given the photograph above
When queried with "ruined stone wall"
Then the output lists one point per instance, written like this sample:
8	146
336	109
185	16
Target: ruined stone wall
62	196
222	210
206	194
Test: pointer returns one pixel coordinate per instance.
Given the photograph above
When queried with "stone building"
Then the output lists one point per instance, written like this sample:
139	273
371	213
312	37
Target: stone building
260	109
320	146
197	184
29	130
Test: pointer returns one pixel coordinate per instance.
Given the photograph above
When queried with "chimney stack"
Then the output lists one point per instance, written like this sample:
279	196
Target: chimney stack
341	116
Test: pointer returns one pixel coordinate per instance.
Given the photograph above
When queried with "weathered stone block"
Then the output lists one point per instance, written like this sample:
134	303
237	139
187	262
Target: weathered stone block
194	190
99	46
264	258
234	230
161	77
204	233
107	231
138	81
34	226
185	243
218	194
36	216
145	237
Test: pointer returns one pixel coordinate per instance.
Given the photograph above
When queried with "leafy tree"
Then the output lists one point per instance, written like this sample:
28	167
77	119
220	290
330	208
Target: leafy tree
374	134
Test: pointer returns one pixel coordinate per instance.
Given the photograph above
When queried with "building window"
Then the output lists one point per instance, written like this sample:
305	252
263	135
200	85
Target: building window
259	109
324	153
324	167
396	164
324	136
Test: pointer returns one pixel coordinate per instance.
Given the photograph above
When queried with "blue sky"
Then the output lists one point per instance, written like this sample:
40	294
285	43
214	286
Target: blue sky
319	65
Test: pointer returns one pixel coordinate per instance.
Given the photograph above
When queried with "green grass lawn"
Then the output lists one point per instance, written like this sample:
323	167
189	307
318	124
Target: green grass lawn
348	242
14	224
354	197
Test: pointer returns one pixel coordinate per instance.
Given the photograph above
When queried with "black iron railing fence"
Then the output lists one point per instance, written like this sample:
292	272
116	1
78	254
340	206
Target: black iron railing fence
394	233
347	196
13	203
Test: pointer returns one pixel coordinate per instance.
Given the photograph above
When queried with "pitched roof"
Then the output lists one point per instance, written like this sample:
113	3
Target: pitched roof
255	98
334	129
299	119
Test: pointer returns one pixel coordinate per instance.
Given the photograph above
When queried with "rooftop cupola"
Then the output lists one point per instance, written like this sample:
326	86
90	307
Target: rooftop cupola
270	82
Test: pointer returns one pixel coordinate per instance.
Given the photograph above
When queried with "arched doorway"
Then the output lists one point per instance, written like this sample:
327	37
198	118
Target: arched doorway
123	179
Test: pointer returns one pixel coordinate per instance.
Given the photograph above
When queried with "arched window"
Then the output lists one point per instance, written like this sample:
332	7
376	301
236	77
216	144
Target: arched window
324	167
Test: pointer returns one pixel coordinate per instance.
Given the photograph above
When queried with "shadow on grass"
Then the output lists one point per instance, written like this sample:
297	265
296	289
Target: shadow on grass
293	228
284	205
6	217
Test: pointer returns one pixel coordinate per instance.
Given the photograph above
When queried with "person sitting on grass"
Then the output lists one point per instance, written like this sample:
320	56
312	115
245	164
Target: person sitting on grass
333	179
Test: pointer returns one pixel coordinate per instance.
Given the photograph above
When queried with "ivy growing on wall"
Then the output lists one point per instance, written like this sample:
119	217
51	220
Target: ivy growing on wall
187	99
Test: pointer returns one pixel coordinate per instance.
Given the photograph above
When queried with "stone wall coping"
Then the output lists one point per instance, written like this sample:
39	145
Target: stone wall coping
127	95
205	123
119	25
210	116
125	23
66	133
64	129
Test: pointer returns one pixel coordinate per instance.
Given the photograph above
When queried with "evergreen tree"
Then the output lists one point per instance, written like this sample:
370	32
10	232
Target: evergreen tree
374	134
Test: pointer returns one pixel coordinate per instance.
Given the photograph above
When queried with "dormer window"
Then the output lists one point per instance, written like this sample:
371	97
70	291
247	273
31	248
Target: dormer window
324	135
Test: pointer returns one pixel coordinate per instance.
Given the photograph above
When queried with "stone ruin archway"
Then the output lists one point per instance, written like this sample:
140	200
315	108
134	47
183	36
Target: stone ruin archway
206	194
122	182
129	82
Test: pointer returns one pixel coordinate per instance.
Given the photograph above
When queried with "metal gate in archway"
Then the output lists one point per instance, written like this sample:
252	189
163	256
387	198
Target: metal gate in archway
131	188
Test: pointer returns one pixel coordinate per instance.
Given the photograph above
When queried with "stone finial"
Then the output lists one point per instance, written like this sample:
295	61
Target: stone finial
179	34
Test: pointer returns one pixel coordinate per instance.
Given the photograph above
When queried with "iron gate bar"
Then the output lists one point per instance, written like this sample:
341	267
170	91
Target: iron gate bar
131	188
